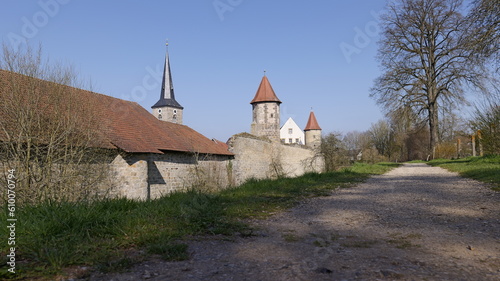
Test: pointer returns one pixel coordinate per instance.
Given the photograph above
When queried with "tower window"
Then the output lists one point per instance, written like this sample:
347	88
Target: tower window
272	115
159	116
290	131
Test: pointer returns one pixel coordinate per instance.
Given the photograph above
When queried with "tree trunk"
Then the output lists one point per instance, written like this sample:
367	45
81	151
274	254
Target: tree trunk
433	127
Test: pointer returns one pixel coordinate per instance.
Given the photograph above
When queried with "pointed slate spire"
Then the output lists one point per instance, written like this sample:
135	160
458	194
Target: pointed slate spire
167	97
265	93
312	123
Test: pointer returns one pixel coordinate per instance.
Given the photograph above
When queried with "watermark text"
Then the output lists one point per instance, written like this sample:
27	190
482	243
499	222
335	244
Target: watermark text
32	25
362	37
223	6
11	220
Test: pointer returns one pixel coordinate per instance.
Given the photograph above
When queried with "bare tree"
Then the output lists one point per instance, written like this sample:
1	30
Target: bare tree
381	136
333	152
486	119
485	20
46	134
426	59
355	142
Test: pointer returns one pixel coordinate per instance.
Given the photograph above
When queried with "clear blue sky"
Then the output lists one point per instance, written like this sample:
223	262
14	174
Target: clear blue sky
318	54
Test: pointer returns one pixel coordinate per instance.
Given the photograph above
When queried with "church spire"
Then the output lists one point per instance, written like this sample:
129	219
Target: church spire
167	108
167	96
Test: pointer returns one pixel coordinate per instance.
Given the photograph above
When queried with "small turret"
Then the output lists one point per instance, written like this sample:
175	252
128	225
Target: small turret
312	132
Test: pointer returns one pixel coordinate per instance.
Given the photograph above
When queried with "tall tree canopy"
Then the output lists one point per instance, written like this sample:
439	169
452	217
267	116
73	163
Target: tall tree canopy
426	58
485	19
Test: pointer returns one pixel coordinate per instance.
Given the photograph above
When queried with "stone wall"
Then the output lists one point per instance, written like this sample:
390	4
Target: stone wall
260	158
143	176
130	175
176	171
168	114
266	120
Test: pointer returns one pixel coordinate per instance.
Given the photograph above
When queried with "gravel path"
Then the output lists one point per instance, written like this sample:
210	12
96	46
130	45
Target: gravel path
414	223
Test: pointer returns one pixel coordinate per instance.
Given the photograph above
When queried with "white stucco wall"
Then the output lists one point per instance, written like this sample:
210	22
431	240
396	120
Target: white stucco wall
291	131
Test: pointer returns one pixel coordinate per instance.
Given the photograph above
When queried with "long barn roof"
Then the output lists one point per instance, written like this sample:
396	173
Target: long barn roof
122	124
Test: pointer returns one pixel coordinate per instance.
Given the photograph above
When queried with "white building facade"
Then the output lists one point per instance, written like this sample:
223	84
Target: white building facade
291	133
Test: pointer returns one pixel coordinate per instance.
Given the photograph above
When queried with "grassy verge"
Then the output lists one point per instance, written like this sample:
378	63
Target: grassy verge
485	169
111	235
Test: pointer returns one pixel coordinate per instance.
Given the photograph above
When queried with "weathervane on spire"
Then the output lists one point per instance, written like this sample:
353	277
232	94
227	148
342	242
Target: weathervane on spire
166	42
264	72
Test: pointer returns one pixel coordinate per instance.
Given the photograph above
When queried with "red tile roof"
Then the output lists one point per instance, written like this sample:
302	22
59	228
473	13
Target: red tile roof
265	93
124	124
312	123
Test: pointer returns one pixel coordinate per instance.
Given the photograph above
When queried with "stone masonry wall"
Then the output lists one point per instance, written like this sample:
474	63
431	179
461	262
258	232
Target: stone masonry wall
266	120
131	176
176	171
260	158
143	176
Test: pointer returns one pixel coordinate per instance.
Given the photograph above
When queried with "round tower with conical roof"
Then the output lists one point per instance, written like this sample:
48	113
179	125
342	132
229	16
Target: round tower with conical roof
312	132
266	112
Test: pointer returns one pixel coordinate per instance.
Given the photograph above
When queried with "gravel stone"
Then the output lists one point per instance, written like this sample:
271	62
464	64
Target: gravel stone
415	222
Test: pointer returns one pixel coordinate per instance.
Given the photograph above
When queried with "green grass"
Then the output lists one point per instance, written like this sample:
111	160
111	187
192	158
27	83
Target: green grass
485	169
111	235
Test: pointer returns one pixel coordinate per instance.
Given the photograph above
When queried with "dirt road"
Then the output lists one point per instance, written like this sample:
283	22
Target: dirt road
414	223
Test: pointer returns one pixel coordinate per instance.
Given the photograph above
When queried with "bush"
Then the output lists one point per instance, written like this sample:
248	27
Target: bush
486	118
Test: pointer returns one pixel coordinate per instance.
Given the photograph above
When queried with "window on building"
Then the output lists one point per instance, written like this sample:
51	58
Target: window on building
297	140
159	116
290	140
290	131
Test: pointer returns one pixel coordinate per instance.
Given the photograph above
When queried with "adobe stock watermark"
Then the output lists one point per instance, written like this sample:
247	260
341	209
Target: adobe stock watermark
150	81
363	37
223	6
11	220
32	25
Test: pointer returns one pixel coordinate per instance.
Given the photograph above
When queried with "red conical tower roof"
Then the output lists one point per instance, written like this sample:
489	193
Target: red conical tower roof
312	123
265	93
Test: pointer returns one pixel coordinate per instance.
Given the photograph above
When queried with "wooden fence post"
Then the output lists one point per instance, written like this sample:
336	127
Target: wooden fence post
479	137
473	145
